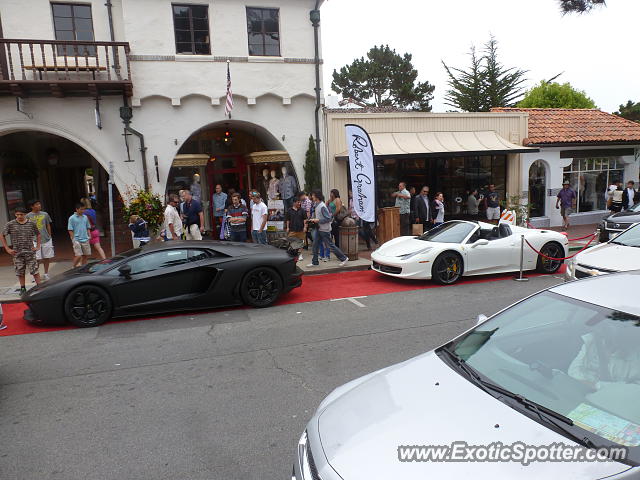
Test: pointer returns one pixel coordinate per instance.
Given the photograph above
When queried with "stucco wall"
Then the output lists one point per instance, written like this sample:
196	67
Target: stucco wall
555	176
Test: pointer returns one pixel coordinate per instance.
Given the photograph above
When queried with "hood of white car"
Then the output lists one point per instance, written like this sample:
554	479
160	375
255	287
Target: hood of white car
402	246
424	402
611	257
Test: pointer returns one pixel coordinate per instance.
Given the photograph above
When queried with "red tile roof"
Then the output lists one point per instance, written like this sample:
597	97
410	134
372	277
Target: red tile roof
576	126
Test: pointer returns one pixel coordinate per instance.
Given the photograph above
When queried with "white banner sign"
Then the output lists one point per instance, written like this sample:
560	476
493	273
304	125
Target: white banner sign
362	167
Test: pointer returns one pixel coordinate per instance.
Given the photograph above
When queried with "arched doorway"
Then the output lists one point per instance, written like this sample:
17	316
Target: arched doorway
237	155
58	172
537	188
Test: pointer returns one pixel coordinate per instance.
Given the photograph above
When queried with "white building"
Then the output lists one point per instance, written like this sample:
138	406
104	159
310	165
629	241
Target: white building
587	147
168	69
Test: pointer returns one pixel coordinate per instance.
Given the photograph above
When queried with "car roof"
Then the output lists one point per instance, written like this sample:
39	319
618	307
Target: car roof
617	291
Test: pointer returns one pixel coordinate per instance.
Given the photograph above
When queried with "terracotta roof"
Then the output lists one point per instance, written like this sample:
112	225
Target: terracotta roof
576	126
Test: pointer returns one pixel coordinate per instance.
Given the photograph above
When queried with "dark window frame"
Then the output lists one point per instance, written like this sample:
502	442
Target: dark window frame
89	50
263	32
191	30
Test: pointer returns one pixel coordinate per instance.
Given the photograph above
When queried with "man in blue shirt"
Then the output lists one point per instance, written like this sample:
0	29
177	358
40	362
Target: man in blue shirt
79	232
193	217
219	202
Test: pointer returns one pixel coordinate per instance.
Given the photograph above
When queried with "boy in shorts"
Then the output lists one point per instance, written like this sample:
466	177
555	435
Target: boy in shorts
43	222
24	234
79	232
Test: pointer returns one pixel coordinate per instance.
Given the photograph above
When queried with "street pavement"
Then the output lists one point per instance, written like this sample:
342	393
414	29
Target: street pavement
221	395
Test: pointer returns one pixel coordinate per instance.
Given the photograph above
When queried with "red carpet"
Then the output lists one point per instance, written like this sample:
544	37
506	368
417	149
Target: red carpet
314	288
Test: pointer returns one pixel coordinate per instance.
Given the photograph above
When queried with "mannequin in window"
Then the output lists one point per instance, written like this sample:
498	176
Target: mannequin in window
196	188
288	188
274	185
263	184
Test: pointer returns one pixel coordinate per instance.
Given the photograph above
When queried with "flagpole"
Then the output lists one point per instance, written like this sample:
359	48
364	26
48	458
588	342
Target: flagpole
228	85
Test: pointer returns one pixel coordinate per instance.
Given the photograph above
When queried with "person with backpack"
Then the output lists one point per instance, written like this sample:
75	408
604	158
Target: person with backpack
323	219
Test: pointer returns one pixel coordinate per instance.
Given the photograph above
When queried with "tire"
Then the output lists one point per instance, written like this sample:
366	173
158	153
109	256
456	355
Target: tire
447	268
551	249
261	287
87	306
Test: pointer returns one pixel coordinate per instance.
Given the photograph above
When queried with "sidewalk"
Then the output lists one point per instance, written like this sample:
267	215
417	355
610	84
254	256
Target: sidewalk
9	286
578	231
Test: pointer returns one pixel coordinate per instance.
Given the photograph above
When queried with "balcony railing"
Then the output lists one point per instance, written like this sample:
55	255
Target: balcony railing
64	68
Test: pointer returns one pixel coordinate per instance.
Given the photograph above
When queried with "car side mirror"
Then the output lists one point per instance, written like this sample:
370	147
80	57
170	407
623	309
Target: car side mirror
481	318
482	241
125	270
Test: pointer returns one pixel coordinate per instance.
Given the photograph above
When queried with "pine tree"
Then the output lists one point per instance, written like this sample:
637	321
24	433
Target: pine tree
312	180
485	84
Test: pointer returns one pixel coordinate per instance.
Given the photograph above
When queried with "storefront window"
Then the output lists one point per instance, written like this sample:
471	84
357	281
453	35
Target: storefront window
590	177
455	177
537	188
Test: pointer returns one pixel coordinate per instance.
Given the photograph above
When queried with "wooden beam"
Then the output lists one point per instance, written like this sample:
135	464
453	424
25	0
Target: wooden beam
16	90
56	91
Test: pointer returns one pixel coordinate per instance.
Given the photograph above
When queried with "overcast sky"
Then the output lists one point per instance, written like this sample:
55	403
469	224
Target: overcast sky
597	52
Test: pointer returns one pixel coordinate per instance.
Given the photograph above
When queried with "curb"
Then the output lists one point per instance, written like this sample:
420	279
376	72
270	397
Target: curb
353	268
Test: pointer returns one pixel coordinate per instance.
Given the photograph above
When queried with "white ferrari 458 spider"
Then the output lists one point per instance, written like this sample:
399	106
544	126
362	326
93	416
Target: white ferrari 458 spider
460	248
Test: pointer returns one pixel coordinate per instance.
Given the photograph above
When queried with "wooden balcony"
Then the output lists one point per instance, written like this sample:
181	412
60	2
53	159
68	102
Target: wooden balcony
31	68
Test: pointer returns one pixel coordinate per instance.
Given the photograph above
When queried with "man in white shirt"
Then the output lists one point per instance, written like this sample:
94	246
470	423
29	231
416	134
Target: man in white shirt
258	219
172	221
629	195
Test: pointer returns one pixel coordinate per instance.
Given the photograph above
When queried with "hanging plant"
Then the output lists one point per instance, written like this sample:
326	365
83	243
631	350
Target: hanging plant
145	204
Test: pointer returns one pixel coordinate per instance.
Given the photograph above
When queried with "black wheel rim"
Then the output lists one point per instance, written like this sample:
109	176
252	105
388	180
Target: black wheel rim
549	265
262	287
448	269
88	306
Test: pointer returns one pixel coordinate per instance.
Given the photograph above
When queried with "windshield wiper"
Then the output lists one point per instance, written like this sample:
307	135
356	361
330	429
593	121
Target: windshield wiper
544	413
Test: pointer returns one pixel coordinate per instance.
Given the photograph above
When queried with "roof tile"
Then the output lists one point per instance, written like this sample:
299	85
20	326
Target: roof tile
560	125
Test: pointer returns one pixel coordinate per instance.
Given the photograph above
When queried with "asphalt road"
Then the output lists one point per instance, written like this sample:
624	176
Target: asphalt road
222	395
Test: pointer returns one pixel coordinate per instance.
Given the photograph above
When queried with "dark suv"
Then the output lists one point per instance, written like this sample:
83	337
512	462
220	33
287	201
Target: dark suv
619	222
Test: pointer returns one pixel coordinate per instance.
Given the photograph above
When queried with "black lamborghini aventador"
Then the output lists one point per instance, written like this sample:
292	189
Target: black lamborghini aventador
165	277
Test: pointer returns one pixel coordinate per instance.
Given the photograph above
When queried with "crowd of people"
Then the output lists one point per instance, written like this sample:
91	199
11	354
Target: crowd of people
419	207
32	243
306	217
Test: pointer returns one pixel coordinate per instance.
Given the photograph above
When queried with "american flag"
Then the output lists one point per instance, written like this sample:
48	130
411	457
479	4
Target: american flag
229	105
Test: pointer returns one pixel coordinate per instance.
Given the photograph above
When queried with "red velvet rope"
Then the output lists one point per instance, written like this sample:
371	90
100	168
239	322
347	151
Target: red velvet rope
569	239
563	258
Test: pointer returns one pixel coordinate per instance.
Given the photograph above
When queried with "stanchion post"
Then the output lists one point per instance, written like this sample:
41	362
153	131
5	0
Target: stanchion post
520	277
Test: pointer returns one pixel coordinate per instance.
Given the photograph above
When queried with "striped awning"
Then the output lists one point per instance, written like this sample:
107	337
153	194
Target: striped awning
433	144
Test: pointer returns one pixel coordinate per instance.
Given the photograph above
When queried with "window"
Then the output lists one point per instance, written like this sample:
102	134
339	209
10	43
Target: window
158	260
263	29
73	21
590	178
197	255
191	25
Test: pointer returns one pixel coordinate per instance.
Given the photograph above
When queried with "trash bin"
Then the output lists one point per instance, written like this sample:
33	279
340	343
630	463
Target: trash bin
349	241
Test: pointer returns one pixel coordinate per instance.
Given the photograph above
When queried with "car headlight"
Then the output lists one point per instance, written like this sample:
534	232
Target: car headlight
413	254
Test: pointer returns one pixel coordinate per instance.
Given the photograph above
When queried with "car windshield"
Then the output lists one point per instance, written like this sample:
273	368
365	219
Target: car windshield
107	262
635	208
630	237
575	358
449	232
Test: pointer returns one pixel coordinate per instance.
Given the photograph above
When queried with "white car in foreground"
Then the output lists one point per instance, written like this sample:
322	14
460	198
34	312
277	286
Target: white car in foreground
620	254
557	374
460	248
